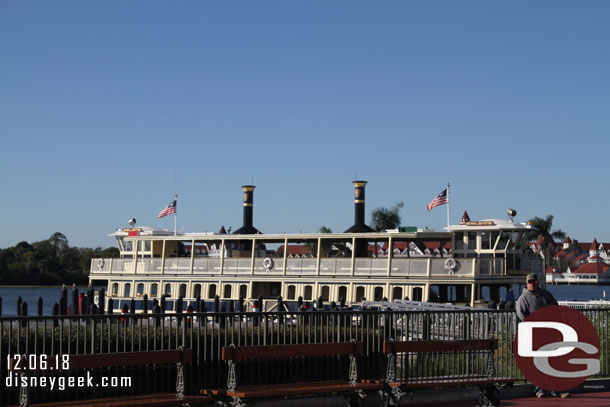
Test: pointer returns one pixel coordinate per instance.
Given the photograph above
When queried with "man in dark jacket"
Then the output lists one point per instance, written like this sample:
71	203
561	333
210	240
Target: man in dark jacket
531	300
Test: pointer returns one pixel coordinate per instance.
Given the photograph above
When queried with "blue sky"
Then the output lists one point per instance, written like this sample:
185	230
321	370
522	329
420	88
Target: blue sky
101	103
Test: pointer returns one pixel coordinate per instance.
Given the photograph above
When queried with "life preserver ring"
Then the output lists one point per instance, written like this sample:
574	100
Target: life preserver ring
268	263
100	263
450	263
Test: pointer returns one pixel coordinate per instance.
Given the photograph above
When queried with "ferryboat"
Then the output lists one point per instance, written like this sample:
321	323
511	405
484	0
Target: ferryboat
462	265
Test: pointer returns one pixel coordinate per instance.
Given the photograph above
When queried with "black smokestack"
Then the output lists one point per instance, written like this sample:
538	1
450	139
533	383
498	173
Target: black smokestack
247	228
359	225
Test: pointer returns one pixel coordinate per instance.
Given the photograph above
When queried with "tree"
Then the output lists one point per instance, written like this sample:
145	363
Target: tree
384	218
544	228
310	247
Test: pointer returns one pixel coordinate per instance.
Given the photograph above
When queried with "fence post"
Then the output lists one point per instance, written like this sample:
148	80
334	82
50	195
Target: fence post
216	307
145	304
240	304
19	301
63	307
24	313
55	312
63	301
189	311
110	306
255	308
74	299
101	300
39	306
179	307
223	318
162	304
157	311
124	311
280	308
0	306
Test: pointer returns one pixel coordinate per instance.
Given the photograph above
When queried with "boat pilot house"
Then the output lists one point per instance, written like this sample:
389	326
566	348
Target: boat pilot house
469	264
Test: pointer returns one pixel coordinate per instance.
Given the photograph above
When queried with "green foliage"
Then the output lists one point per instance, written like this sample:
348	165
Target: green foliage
543	227
311	249
384	218
48	262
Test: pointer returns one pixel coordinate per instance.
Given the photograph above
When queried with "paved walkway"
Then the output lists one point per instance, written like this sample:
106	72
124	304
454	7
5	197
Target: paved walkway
575	400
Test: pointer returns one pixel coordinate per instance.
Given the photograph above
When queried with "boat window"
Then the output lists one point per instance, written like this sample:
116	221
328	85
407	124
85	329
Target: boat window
168	289
397	293
182	292
472	241
243	291
343	293
325	293
227	291
493	238
503	241
127	291
417	293
308	292
378	293
291	293
153	290
115	289
459	241
127	245
212	291
359	293
140	289
197	291
147	245
516	239
485	245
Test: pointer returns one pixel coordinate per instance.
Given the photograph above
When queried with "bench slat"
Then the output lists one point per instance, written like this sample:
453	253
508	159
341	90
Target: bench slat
302	388
160	399
440	346
447	382
287	351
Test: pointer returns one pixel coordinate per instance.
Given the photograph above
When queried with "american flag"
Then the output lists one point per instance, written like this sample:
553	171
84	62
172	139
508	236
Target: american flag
169	209
440	199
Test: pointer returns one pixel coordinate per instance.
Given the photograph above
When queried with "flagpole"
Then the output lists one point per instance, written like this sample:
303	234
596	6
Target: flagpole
176	214
448	203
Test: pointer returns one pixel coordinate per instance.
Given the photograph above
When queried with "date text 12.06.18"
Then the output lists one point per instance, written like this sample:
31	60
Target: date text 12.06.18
38	362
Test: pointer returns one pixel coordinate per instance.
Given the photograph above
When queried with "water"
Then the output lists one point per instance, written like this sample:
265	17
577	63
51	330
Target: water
579	292
50	296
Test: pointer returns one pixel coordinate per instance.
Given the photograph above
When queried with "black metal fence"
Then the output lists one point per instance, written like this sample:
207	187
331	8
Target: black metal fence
206	334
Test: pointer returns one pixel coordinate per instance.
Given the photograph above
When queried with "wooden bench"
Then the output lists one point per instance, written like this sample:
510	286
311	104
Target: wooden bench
460	352
237	395
74	363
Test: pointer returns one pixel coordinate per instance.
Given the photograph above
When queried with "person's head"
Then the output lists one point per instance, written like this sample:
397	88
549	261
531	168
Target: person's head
532	282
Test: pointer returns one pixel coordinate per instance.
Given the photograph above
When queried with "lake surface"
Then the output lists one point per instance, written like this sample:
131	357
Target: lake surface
51	295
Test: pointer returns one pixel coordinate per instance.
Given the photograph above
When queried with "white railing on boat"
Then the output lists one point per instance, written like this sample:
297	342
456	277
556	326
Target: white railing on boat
392	267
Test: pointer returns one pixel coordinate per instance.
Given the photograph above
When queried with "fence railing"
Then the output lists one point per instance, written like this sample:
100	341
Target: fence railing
207	333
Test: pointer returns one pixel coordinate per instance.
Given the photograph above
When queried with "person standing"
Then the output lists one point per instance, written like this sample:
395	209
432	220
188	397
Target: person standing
531	300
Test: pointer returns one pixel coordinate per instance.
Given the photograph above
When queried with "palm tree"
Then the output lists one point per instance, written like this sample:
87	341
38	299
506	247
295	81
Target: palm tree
544	228
384	218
